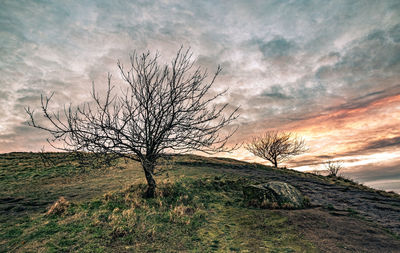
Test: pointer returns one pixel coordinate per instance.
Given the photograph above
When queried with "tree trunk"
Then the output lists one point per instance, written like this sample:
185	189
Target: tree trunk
148	167
276	163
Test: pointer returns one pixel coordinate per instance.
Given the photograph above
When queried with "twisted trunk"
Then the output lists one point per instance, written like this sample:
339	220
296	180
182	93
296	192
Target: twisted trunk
148	167
275	160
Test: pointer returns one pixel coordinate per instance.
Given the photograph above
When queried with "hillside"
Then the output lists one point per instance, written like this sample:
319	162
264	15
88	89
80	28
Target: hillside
198	208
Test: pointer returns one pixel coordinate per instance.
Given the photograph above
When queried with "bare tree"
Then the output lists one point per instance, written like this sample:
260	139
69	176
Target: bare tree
333	167
164	108
276	146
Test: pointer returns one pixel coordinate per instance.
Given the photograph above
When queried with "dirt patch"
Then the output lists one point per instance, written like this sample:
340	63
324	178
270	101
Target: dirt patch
370	205
337	232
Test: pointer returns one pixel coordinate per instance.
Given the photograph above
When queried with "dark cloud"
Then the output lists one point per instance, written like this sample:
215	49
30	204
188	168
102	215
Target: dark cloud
284	61
386	171
394	33
276	47
275	92
383	143
367	70
366	100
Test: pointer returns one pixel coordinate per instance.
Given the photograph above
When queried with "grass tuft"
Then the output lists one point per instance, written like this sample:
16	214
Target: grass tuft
188	214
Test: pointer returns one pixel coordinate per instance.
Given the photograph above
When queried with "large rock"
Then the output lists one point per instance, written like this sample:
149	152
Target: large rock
274	194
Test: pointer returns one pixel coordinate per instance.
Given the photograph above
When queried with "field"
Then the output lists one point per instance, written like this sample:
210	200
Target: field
198	208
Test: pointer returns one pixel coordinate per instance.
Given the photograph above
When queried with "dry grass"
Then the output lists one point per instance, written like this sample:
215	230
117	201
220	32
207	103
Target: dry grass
59	207
201	211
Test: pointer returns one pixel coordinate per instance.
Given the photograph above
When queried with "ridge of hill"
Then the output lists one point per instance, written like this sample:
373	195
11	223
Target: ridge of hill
199	208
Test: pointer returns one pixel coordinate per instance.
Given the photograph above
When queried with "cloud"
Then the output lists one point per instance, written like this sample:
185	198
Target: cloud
275	92
326	68
276	47
383	143
383	171
394	33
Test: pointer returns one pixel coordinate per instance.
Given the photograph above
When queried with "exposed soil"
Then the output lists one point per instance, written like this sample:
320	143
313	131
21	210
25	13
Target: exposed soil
343	218
337	232
370	205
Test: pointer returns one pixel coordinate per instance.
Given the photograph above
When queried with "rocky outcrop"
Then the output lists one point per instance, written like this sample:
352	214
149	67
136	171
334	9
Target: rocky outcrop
274	194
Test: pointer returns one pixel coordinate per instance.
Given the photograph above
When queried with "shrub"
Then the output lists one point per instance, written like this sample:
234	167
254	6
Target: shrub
333	167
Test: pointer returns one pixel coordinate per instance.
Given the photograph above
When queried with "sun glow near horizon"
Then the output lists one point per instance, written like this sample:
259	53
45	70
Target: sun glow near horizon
315	69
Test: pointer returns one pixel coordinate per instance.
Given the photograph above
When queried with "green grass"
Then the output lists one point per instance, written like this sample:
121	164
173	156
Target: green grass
196	209
202	215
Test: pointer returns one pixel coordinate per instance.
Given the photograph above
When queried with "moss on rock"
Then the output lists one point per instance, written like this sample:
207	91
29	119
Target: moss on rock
274	194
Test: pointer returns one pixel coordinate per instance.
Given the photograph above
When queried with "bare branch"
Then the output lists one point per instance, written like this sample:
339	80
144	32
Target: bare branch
276	146
162	108
333	167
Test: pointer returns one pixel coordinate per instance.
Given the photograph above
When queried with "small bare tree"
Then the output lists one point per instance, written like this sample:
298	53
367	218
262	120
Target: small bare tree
163	108
276	146
333	167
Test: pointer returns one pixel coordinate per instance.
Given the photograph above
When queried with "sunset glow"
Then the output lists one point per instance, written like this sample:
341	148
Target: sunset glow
327	71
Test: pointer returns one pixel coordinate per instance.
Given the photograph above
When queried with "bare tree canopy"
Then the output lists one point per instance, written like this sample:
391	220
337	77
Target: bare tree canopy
163	107
333	167
276	146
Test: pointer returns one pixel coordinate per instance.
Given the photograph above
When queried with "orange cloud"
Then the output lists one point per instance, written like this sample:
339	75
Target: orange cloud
345	133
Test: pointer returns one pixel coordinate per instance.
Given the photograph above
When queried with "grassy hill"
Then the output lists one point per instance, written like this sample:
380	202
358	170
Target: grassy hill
198	208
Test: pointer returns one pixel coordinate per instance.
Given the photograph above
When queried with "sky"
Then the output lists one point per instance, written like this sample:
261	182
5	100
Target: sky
326	70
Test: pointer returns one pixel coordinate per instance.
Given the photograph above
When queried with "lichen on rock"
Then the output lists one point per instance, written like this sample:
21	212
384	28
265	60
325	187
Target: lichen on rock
274	194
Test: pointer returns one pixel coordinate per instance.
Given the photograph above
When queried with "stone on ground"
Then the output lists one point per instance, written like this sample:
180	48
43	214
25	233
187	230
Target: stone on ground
274	194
